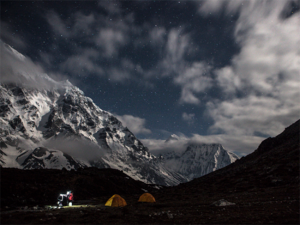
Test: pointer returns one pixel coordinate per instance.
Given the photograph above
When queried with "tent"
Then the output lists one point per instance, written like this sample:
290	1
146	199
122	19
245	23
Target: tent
146	197
116	201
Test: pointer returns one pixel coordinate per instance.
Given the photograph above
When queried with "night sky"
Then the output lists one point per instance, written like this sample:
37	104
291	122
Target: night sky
209	71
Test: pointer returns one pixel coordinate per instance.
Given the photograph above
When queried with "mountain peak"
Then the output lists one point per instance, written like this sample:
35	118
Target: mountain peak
50	124
198	159
68	83
172	137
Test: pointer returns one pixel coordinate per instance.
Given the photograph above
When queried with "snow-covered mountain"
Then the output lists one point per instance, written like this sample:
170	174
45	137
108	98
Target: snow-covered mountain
73	132
59	127
172	138
49	124
196	159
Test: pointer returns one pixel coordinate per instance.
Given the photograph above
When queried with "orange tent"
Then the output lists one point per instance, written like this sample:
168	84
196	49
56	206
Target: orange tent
146	197
116	201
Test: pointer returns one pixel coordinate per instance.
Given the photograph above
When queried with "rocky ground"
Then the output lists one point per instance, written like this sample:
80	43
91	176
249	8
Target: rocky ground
190	203
43	186
273	205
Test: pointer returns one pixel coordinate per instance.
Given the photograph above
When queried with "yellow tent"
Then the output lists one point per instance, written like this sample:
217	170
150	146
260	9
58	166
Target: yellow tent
146	197
116	201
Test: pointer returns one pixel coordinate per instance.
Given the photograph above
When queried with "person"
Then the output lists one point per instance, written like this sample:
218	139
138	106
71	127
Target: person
70	198
62	200
65	199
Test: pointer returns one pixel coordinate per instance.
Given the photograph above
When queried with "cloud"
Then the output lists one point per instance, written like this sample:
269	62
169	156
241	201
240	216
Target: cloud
83	23
189	118
157	35
125	71
112	32
253	115
118	74
214	6
261	85
100	38
239	144
16	68
110	40
8	36
112	7
157	146
77	148
135	124
172	46
84	62
194	79
78	26
57	24
176	47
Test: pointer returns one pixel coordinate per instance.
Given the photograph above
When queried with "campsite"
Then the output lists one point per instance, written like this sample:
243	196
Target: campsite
212	201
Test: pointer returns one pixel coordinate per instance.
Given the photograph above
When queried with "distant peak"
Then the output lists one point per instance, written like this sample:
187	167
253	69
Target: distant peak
173	137
67	83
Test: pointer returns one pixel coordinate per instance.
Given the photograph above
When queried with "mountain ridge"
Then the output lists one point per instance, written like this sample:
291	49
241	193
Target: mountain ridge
197	159
70	130
52	119
275	162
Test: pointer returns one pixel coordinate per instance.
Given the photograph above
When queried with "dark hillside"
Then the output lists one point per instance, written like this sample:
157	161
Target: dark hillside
274	164
42	186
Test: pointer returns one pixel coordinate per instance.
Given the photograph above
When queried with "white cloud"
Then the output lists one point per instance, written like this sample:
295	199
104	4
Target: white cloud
110	40
188	97
79	25
189	118
253	115
107	34
176	47
75	148
157	35
16	68
261	86
194	79
7	35
83	23
83	63
112	7
124	71
157	146
57	24
174	50
239	144
118	74
213	6
228	80
135	124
